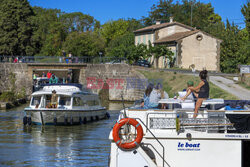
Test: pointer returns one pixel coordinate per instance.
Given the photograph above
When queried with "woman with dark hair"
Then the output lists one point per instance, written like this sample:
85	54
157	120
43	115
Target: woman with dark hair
203	91
145	103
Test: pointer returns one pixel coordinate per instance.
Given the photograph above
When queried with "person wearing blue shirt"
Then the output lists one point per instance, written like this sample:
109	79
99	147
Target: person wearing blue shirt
151	97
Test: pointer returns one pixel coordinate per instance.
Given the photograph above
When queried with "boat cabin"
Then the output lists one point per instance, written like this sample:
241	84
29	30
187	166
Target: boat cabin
68	97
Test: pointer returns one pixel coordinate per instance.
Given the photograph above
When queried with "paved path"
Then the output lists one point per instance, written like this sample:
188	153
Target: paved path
229	86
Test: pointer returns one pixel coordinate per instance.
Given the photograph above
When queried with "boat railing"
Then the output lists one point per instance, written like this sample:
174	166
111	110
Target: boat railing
180	121
163	149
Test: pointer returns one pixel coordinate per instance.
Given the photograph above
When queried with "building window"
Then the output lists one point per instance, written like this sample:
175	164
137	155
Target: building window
149	38
144	39
199	37
138	39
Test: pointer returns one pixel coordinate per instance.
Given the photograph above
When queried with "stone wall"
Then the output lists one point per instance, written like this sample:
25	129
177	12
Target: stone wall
245	78
115	75
120	79
171	30
202	53
22	78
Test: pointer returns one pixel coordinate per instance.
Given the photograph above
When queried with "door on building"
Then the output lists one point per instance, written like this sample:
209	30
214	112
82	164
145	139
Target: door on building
199	63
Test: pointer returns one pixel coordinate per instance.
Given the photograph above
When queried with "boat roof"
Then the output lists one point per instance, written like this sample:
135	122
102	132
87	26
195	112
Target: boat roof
62	89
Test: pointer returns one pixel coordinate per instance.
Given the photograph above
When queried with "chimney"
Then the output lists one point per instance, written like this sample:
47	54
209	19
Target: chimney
158	22
171	19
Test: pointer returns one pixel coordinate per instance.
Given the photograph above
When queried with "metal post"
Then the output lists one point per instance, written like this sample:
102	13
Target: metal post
191	11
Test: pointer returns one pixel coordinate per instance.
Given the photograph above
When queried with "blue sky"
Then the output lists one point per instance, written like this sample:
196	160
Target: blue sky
105	10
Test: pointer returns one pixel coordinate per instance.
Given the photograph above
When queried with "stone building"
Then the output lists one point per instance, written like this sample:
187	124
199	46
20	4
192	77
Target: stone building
189	45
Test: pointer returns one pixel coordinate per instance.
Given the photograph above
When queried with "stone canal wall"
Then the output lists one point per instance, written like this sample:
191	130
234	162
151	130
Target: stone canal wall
16	73
116	79
119	79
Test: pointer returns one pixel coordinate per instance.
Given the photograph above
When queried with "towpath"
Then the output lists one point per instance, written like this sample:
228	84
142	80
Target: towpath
229	86
217	79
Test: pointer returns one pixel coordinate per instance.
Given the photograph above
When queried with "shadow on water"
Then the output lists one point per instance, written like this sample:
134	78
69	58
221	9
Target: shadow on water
84	145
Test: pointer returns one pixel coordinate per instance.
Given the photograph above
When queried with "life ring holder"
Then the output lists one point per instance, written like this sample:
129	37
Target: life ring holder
117	138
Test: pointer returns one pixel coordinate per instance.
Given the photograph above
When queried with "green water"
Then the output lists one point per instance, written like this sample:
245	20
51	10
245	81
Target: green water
80	145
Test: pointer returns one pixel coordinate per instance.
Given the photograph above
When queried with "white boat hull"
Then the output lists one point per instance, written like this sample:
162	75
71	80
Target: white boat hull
207	153
207	144
64	117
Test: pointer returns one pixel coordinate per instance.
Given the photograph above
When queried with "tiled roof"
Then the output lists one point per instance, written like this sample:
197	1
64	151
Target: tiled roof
175	36
159	26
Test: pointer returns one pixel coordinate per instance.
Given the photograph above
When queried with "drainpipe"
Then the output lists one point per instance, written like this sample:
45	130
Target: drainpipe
176	54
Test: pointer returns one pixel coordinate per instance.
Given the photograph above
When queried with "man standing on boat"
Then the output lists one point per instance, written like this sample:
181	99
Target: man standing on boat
54	99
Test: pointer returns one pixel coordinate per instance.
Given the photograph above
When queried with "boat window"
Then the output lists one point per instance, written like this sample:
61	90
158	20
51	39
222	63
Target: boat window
92	102
36	100
77	101
64	100
48	100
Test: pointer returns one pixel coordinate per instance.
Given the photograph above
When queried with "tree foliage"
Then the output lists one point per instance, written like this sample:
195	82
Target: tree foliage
84	44
115	29
79	22
15	27
26	30
202	14
53	26
161	51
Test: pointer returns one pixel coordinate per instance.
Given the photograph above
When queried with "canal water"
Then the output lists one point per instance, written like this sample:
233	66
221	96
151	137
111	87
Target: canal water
81	145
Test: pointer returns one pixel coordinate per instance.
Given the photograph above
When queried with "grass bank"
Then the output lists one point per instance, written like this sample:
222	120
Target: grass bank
174	82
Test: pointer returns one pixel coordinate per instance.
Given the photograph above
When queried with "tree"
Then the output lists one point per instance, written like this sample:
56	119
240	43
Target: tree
161	51
202	13
245	10
114	29
55	37
79	22
15	27
84	44
230	48
124	47
120	46
245	36
43	22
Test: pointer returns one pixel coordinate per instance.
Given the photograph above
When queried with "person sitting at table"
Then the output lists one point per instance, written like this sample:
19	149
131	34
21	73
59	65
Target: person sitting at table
188	91
147	98
203	91
161	95
155	97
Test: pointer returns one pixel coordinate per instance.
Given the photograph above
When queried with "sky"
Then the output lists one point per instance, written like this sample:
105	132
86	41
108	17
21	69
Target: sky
106	10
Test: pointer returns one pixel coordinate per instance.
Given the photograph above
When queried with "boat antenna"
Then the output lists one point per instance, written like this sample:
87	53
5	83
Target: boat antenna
125	115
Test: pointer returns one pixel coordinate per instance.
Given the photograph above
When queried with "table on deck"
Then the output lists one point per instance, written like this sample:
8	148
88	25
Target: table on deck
172	101
213	102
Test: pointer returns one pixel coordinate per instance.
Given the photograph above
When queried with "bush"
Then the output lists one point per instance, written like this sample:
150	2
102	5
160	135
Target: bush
21	94
7	96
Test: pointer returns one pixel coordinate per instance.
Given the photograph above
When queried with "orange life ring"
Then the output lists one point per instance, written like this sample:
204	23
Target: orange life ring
117	128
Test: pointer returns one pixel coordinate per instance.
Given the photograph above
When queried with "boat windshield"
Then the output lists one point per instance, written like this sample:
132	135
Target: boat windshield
65	100
77	101
36	101
93	102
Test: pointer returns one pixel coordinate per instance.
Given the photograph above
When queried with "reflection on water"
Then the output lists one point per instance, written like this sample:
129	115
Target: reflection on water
84	145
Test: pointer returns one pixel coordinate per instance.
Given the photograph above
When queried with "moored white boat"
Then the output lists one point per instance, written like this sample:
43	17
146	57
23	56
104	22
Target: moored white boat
172	137
74	106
